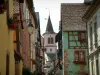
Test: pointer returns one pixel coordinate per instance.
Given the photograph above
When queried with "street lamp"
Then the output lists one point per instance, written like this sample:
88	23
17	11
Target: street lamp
30	28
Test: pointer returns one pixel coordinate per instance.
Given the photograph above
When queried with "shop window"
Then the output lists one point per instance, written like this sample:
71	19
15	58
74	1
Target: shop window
79	57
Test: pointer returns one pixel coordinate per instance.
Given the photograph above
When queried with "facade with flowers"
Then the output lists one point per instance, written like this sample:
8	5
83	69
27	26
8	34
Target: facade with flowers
14	36
7	62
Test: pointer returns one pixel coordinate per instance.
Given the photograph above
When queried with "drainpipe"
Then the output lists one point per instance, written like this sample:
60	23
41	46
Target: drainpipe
20	15
87	46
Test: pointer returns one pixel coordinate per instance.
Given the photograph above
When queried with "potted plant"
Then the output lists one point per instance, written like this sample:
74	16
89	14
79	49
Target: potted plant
26	71
11	24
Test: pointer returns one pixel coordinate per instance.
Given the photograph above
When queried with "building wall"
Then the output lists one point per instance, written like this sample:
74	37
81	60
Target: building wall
33	40
69	66
48	46
92	60
26	46
6	45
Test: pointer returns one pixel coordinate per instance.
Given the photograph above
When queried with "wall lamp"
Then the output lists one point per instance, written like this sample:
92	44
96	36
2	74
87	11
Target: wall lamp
30	27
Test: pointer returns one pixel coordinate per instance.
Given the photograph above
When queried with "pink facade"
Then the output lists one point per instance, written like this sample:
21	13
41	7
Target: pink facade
26	50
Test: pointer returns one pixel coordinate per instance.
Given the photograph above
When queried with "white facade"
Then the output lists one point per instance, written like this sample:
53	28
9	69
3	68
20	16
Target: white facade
50	48
93	28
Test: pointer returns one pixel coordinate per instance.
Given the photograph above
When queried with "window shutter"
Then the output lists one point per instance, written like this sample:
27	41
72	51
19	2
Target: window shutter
82	56
76	56
81	36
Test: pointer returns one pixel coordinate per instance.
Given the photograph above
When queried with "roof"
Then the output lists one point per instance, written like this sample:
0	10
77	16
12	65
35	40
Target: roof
71	16
49	28
92	10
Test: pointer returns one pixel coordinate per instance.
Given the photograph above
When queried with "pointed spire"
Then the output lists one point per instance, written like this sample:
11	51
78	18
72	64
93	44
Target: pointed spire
49	26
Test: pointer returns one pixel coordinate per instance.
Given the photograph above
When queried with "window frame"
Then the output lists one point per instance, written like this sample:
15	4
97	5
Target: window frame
75	35
79	60
80	36
50	40
91	37
95	34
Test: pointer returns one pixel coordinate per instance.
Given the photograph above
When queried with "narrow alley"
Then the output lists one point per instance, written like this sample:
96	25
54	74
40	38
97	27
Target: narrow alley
49	37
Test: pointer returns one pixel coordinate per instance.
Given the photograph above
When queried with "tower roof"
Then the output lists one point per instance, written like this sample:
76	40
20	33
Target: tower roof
49	28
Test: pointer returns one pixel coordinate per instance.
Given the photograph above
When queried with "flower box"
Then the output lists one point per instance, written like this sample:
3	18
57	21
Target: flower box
11	24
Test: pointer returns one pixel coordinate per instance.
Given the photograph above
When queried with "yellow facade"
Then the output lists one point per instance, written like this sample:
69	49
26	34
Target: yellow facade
6	43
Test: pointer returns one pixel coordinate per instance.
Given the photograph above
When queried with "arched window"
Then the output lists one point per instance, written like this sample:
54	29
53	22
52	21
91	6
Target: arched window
48	40
51	40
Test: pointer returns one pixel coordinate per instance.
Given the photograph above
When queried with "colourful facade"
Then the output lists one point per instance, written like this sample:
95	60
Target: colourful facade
74	41
74	62
7	61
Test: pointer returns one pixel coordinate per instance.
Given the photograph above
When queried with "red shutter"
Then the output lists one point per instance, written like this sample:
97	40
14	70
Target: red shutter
81	36
76	55
82	56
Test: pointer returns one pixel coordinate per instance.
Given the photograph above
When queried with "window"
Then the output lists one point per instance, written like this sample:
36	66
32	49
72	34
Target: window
7	64
95	34
97	65
91	38
79	57
77	40
7	9
50	49
50	40
92	66
82	36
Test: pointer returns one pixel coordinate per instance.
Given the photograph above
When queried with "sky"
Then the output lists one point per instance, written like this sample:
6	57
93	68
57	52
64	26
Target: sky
52	8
